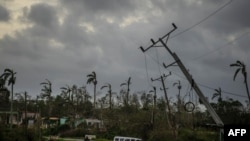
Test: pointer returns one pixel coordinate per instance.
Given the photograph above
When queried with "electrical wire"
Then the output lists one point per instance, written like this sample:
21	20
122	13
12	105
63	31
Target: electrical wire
157	55
146	66
225	92
222	47
201	21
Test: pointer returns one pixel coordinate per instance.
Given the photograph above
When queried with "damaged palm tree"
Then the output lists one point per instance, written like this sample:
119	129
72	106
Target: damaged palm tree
241	67
127	95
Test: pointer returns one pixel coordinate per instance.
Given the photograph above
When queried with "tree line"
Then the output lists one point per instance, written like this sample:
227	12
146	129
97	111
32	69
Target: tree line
141	114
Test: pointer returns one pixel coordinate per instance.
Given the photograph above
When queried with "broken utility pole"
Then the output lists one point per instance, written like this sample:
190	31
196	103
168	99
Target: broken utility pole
214	115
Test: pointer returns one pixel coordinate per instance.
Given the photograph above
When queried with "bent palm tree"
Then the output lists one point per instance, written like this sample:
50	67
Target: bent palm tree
92	79
241	67
10	76
127	84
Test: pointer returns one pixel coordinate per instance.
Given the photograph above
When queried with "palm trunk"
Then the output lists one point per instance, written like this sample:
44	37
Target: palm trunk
94	96
110	97
11	108
247	90
127	96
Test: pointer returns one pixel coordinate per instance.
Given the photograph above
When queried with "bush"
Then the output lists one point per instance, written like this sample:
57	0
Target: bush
17	133
74	133
199	135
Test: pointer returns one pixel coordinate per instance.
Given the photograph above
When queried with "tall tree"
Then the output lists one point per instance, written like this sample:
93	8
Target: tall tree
147	100
241	67
9	75
46	92
92	79
127	84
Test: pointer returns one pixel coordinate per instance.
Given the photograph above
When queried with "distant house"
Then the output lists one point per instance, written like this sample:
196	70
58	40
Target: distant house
95	123
31	118
53	121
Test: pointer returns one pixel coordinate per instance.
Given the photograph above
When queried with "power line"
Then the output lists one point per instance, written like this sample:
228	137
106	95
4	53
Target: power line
234	94
146	66
222	47
210	15
202	85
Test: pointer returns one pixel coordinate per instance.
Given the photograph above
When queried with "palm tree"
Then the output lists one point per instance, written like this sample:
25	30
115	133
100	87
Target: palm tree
83	91
241	67
9	74
66	90
92	79
109	93
127	84
217	93
46	92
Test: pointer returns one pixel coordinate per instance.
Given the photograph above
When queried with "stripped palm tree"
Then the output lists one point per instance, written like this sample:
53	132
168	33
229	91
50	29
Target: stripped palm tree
10	76
109	93
127	84
92	79
241	67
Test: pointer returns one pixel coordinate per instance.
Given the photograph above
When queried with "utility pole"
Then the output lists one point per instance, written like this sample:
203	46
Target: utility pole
214	115
154	105
25	114
170	118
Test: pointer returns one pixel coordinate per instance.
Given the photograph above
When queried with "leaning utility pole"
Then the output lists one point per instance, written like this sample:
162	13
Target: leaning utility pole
214	115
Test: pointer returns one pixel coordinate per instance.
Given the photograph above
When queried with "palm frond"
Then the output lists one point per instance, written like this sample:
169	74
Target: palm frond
94	74
90	80
175	83
236	72
151	91
8	70
44	83
2	75
103	87
123	84
215	95
90	75
234	65
5	76
239	62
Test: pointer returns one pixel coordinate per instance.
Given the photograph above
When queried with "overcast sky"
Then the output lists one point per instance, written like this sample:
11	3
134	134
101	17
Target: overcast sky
65	40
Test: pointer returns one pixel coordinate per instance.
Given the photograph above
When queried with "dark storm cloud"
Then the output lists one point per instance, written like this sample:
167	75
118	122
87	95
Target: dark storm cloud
58	46
4	14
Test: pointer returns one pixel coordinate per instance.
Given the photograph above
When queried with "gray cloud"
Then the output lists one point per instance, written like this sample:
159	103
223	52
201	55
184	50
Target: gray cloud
4	14
44	15
66	51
